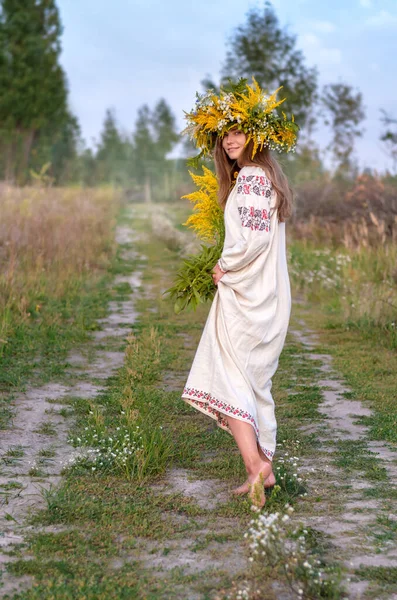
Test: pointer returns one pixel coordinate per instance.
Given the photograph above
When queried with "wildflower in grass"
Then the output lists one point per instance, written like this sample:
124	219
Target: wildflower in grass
113	453
277	543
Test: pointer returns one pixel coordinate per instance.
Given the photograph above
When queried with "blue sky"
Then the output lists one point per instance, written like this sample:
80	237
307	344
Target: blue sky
130	52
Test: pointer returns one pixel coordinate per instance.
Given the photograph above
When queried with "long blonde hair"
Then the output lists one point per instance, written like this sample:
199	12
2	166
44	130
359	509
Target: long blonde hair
224	170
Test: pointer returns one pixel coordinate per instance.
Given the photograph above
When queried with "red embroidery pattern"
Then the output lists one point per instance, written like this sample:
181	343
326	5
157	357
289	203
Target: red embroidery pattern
255	218
254	184
210	404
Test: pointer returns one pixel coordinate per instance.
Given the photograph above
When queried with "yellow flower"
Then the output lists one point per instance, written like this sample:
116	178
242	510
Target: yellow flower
207	216
249	108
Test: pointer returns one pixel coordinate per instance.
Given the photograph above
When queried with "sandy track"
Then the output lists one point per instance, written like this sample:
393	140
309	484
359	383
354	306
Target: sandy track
34	450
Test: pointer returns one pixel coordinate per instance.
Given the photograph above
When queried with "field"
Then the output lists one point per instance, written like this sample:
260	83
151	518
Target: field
112	487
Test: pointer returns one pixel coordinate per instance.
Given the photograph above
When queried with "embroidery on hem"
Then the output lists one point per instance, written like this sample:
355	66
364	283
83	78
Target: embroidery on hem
209	404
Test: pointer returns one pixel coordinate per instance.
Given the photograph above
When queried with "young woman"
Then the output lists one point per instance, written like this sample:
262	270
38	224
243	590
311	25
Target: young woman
231	376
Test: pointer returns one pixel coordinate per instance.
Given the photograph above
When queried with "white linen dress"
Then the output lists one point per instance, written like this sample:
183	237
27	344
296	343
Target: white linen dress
238	353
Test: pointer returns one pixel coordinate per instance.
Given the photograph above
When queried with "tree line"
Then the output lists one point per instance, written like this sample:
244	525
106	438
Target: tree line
40	134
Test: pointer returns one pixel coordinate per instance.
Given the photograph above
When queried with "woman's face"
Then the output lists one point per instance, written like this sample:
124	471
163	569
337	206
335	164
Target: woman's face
233	143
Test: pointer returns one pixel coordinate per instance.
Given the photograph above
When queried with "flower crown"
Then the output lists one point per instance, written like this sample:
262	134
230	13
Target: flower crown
248	108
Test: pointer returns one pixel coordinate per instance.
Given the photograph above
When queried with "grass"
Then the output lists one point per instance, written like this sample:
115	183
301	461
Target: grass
383	579
367	366
120	521
47	453
57	247
15	452
110	512
350	299
353	456
46	429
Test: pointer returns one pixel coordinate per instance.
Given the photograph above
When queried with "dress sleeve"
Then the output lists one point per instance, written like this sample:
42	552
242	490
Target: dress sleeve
251	211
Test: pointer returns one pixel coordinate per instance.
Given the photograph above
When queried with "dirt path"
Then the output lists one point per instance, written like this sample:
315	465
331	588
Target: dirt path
35	449
348	518
204	543
358	514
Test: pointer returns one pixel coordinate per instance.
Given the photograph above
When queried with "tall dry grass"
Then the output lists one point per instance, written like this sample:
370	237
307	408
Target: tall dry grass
349	214
51	241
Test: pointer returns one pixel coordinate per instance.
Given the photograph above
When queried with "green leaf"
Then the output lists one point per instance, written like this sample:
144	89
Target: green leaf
194	161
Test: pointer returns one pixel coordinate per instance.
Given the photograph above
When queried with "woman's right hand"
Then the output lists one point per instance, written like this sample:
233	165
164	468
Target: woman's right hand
217	274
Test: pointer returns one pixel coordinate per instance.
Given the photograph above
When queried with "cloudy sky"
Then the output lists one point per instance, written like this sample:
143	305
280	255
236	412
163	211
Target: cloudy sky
130	52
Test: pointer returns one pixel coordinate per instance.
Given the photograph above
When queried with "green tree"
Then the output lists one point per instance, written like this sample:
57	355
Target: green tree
344	112
389	136
304	165
260	47
61	148
114	153
145	152
33	90
164	129
154	137
165	137
88	167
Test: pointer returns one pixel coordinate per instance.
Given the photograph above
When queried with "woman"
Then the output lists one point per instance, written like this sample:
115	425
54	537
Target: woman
231	376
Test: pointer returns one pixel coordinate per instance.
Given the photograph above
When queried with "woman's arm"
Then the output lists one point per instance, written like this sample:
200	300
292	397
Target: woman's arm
251	210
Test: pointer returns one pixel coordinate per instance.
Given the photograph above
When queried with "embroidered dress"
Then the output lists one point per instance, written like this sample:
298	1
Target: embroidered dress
238	353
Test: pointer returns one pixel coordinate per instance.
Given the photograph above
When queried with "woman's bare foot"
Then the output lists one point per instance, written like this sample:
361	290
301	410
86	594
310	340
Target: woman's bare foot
256	486
245	488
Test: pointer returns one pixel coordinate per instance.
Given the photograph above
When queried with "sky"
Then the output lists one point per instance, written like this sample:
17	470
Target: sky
126	53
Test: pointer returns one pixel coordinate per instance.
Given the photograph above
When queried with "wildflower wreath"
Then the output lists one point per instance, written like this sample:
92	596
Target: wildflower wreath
245	106
254	112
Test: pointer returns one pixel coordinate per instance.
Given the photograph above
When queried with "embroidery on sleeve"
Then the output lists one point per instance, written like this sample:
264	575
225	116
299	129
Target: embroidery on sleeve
254	184
255	218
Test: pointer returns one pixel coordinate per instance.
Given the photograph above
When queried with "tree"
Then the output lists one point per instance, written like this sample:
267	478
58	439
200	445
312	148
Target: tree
164	129
344	112
261	48
144	149
88	168
33	91
165	137
389	136
154	137
60	147
64	154
113	153
306	164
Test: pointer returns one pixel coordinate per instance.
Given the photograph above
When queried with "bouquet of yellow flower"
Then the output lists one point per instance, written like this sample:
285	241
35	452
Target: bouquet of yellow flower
193	283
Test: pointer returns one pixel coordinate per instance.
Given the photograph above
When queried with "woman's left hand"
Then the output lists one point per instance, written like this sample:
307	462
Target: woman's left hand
217	274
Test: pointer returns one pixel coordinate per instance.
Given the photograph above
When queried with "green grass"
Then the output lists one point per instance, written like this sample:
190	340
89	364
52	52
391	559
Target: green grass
39	349
382	579
113	514
15	452
106	511
11	485
354	314
46	429
353	456
368	368
51	296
